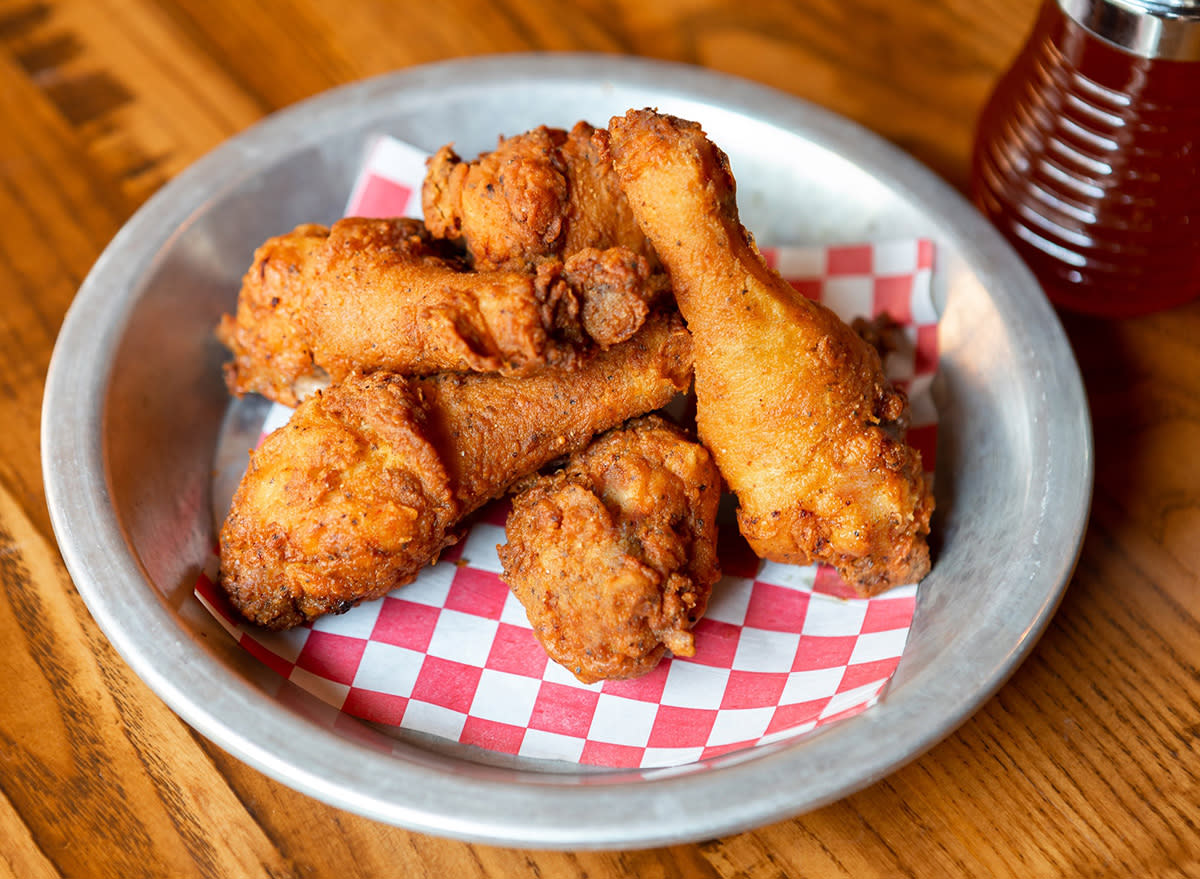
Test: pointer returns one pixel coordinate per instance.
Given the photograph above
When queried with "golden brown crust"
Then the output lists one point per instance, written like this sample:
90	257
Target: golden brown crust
495	429
541	194
794	406
509	205
614	557
344	503
366	482
372	294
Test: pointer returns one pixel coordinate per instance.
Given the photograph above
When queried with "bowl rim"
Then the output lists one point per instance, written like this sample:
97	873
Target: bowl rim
621	810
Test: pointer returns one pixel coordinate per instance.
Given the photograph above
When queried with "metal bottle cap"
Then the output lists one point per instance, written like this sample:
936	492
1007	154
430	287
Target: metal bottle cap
1166	29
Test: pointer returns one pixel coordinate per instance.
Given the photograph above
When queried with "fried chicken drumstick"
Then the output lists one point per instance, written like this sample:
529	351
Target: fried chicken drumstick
371	294
614	557
367	481
544	193
793	405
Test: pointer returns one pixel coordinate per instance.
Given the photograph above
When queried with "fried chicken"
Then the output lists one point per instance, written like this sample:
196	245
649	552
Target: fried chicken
614	556
365	484
793	405
370	294
346	501
543	193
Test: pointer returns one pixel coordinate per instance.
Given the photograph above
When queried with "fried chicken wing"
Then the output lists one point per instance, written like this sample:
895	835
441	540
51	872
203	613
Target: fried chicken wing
614	556
494	430
543	193
346	501
793	405
365	484
372	294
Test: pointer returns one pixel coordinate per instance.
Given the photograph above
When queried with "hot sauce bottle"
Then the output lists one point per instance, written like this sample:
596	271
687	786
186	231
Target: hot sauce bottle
1087	156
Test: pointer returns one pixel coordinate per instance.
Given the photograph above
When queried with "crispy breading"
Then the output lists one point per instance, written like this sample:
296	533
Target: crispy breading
493	429
365	484
614	556
794	406
543	193
372	294
344	502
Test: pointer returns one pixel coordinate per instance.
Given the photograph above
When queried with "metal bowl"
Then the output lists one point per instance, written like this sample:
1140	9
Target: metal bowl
134	403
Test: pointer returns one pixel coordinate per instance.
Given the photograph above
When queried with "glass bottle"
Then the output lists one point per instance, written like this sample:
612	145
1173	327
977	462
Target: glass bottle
1087	155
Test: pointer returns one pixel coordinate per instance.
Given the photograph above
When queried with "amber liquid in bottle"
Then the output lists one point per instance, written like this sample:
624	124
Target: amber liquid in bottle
1087	158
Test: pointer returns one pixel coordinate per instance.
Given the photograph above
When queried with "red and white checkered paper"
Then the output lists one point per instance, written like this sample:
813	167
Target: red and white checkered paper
782	650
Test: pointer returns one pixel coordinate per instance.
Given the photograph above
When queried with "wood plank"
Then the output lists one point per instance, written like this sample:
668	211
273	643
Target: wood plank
103	758
59	219
20	857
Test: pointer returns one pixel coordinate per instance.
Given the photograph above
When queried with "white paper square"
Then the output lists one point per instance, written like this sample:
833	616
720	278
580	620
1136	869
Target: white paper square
799	577
434	719
850	296
559	674
431	586
619	721
514	613
505	697
691	685
834	617
760	650
359	624
479	549
551	746
908	590
463	637
873	646
898	257
799	263
729	601
740	725
805	686
386	668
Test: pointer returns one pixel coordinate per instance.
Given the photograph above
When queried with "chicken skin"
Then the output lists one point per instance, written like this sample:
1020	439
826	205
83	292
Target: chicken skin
346	501
614	556
794	406
544	193
367	481
367	294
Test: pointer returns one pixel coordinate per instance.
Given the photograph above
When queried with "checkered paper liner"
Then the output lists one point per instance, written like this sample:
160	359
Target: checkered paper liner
781	651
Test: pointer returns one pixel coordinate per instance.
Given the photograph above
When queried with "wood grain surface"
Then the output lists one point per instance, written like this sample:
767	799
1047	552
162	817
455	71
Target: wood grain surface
1085	764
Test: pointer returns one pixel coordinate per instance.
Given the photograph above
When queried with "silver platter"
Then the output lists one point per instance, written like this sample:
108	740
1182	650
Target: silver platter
134	403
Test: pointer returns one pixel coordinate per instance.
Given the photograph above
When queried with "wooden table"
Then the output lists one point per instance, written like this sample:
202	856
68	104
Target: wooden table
1085	764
